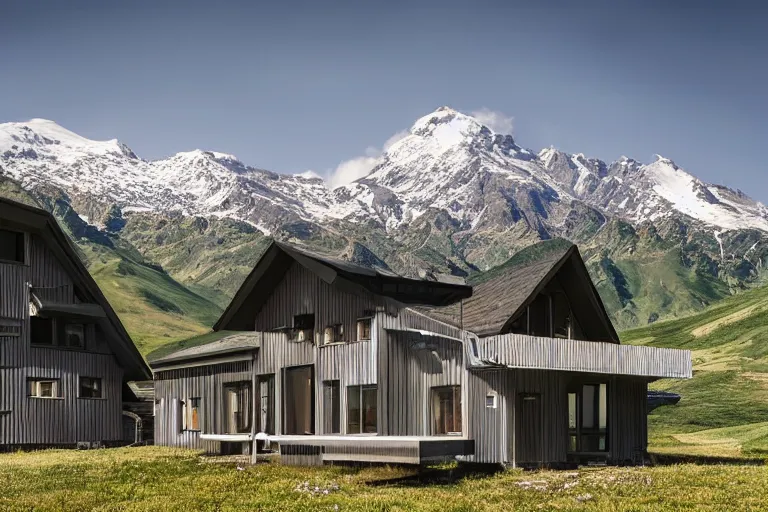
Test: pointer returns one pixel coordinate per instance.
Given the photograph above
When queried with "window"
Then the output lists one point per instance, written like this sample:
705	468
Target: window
90	387
303	327
72	335
331	407
237	407
361	409
192	414
266	385
364	329
334	334
446	410
491	400
588	419
41	330
11	246
43	388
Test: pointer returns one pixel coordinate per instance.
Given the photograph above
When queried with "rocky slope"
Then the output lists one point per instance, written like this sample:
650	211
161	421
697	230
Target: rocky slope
452	195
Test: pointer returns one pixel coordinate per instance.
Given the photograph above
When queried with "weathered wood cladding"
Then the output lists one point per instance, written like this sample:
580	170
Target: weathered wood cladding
520	351
172	387
52	421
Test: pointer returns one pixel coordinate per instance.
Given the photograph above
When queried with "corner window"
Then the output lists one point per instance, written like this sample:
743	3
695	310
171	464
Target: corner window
43	388
446	410
331	407
588	419
90	387
361	409
364	329
11	246
192	414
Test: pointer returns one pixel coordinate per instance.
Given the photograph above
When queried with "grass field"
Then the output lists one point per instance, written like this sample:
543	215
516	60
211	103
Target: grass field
153	478
724	407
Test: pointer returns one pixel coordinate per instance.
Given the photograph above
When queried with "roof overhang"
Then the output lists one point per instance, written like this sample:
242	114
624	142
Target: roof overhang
85	312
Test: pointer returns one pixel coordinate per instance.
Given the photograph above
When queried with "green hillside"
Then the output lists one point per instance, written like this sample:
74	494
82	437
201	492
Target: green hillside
724	407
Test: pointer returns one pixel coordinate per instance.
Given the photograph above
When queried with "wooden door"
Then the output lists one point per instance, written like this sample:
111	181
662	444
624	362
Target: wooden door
529	430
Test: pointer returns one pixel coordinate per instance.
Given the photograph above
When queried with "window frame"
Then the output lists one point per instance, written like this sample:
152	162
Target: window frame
238	386
58	332
455	408
93	380
191	416
21	247
359	327
360	389
37	381
577	434
337	334
332	410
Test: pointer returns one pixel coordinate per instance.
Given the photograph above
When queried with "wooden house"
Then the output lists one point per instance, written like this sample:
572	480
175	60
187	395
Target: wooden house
328	361
65	358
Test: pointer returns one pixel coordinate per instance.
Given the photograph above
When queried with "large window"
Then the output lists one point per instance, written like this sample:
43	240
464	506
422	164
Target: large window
90	387
192	414
361	409
11	246
446	410
588	419
237	407
43	388
331	407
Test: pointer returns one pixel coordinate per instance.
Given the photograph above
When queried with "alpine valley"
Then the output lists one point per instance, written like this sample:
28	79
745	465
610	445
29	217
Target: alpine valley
170	240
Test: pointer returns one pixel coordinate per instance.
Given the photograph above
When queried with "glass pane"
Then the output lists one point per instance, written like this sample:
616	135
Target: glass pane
353	410
603	407
46	389
572	443
369	410
572	410
602	443
588	407
332	407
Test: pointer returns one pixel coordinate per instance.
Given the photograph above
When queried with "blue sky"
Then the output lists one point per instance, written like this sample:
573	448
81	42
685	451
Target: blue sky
291	86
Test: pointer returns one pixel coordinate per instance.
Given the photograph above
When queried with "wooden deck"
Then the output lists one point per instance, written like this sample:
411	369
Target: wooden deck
316	450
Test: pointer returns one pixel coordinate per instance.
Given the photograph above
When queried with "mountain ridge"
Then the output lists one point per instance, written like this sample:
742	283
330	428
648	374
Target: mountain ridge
451	194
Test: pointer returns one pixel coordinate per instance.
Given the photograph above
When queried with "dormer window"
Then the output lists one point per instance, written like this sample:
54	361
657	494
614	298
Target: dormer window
363	329
11	246
334	334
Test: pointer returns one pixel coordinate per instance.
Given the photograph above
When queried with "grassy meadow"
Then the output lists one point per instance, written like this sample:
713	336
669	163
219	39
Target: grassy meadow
159	479
724	407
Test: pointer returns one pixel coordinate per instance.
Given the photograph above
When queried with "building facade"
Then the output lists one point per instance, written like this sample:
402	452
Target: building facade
64	356
326	361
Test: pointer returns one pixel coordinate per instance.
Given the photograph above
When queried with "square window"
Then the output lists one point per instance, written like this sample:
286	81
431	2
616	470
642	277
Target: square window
491	400
41	330
73	336
11	246
90	387
364	329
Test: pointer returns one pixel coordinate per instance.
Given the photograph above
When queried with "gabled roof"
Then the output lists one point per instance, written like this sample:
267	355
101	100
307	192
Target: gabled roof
42	223
504	293
278	257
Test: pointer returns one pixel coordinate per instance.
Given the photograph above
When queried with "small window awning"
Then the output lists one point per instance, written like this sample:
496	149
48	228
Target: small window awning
49	309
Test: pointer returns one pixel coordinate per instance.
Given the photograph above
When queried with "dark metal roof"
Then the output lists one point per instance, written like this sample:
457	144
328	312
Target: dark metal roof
43	224
278	257
47	308
502	298
229	344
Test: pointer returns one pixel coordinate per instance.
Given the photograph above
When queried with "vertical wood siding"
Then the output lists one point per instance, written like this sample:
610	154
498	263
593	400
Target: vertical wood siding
64	421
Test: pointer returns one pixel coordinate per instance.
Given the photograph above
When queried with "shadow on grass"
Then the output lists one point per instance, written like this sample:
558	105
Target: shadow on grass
438	476
669	459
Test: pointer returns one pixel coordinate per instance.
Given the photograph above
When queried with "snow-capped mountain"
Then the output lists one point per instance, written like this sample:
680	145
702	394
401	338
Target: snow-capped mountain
452	195
448	162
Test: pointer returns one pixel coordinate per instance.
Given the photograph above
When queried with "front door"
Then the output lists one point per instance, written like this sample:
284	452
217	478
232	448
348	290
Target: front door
299	401
529	440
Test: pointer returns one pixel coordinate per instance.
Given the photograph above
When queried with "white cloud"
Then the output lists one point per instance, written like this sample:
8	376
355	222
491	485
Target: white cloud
361	166
495	120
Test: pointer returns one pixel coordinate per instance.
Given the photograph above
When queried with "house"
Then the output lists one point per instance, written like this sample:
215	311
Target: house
65	359
328	361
